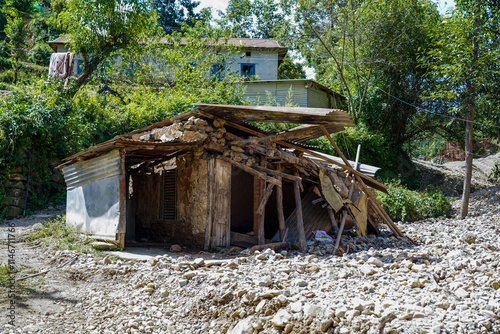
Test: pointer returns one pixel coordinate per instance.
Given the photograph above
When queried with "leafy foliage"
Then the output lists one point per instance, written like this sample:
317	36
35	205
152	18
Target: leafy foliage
495	172
407	205
257	18
289	69
172	14
98	29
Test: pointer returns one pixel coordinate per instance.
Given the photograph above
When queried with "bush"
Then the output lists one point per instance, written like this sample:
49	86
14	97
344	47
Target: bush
40	54
408	205
495	173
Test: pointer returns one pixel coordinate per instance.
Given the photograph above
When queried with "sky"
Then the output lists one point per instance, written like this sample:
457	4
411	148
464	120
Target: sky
443	5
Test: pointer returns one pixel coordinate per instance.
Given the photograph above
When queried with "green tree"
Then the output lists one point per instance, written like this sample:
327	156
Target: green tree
289	69
257	18
16	12
402	30
172	14
99	29
465	60
356	45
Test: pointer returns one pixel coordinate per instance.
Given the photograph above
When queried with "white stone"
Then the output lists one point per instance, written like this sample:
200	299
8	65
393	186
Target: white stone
312	310
296	307
260	306
375	261
281	318
367	270
242	327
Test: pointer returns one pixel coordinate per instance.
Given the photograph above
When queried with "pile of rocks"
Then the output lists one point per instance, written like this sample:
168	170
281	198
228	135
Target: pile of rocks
449	283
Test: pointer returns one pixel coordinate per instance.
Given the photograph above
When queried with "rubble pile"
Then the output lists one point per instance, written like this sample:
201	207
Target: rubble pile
449	283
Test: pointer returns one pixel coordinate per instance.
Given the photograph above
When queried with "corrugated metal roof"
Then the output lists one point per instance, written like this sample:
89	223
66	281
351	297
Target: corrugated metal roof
279	114
366	169
246	43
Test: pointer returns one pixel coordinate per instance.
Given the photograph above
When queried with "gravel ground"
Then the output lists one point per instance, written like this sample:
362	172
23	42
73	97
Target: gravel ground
449	283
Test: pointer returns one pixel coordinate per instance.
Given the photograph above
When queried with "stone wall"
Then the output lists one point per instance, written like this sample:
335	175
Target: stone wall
45	181
16	193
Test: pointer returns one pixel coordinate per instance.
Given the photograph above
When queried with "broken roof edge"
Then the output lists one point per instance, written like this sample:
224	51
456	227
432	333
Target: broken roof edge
201	111
296	115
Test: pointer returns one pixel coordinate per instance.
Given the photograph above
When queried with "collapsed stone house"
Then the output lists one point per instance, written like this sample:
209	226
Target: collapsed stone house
209	178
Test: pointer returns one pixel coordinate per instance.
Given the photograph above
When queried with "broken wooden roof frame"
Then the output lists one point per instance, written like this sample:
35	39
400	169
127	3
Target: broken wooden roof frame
317	122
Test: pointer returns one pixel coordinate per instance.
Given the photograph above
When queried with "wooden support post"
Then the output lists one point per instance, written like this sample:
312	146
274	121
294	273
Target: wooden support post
333	220
281	213
344	216
208	244
261	213
265	198
300	220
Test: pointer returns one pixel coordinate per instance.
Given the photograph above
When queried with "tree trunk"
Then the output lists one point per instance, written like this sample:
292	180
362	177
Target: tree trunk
468	165
471	101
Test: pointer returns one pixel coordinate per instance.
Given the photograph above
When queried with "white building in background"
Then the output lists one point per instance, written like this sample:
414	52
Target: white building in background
259	58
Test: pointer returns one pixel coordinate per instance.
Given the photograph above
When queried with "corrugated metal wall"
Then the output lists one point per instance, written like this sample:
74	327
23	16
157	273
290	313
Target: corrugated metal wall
317	98
257	93
93	195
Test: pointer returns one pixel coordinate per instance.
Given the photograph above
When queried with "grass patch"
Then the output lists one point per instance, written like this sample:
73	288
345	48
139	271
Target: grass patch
5	272
57	233
403	204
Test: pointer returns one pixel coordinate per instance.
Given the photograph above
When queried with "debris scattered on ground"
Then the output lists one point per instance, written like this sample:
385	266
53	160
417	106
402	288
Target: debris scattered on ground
449	283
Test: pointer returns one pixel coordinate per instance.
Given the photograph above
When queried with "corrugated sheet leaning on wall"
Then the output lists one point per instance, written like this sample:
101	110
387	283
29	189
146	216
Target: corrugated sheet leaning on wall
87	182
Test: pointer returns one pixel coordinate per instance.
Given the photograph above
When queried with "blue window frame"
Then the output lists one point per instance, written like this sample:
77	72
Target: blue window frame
247	70
217	71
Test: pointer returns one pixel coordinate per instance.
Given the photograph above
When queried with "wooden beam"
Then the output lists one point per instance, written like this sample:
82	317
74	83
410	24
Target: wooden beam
245	240
253	172
300	220
265	198
279	174
373	183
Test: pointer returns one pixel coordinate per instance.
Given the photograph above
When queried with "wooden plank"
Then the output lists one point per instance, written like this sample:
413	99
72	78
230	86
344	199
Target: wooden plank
377	205
253	172
222	203
300	220
208	244
279	114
